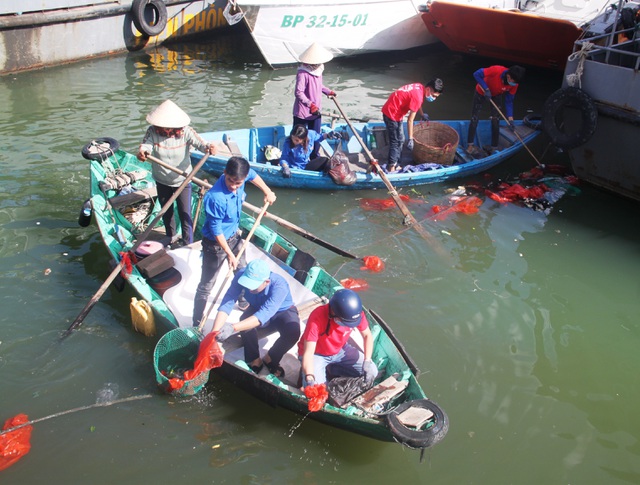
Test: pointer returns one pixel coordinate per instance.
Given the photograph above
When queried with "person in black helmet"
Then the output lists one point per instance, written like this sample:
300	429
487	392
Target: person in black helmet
324	344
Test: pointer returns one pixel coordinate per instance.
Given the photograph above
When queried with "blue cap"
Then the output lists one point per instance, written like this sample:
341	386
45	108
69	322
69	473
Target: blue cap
256	273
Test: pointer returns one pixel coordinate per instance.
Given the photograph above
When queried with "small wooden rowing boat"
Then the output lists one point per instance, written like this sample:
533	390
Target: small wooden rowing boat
123	200
251	143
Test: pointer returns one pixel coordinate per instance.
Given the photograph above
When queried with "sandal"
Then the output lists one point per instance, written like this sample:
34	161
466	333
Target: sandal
276	370
257	368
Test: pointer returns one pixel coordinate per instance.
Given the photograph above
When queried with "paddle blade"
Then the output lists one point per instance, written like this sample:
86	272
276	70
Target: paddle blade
14	444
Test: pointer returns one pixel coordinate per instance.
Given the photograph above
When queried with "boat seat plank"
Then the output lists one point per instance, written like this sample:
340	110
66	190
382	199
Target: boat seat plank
139	195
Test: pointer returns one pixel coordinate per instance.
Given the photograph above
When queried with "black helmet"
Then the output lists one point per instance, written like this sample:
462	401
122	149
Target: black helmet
346	308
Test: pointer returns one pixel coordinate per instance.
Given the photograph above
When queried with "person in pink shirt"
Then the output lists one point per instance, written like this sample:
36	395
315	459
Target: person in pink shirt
493	82
309	89
324	347
407	99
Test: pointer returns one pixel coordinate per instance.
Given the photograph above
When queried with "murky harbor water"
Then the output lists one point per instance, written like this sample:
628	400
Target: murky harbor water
527	338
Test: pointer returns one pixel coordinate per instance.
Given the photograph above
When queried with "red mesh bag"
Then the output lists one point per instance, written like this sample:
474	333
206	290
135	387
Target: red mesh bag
466	205
14	444
381	204
355	284
373	263
209	357
317	396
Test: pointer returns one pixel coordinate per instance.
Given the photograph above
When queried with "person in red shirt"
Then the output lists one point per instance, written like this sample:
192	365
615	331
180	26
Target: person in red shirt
324	344
493	82
407	99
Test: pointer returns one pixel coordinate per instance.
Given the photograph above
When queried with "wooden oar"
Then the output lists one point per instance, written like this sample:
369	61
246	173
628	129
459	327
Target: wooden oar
278	220
409	219
94	299
515	132
245	243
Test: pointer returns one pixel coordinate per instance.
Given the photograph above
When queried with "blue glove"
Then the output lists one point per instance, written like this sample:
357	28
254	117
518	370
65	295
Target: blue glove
410	144
425	117
225	332
334	135
487	93
286	171
370	371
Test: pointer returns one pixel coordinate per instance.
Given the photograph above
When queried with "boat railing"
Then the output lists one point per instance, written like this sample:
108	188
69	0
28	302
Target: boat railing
619	47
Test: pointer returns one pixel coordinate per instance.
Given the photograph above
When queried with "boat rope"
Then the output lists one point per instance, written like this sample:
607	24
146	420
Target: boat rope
576	77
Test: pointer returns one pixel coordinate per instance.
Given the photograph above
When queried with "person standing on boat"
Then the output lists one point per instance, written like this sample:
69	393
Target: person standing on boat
324	347
309	89
406	100
220	236
493	82
169	138
270	305
297	151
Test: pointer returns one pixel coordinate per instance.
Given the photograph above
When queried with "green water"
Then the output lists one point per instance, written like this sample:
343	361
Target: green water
527	336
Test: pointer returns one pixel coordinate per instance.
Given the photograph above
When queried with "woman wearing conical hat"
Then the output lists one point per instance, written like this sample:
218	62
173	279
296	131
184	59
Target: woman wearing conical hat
169	138
309	89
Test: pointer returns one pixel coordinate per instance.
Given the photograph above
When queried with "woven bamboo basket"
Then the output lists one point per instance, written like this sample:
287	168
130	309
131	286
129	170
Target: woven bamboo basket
434	143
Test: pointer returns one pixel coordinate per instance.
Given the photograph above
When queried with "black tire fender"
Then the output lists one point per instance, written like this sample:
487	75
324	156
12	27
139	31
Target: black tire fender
422	438
533	121
100	148
553	117
155	10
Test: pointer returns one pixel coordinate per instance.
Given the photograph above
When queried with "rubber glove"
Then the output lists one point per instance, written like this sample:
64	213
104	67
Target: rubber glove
332	94
512	126
425	117
286	171
410	144
370	371
225	332
315	111
334	135
487	93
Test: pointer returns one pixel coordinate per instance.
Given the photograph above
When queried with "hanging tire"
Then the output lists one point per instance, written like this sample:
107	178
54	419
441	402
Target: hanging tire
149	16
100	148
533	121
422	438
553	117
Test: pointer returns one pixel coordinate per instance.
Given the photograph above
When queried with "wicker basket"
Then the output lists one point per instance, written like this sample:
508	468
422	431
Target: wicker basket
434	143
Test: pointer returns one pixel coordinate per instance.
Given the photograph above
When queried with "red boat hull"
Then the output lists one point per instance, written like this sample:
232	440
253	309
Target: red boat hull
506	35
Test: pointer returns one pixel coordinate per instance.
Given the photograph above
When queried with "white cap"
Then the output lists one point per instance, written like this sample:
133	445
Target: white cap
168	115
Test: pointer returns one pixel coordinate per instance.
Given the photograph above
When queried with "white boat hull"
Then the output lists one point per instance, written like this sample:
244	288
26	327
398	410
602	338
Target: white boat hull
283	30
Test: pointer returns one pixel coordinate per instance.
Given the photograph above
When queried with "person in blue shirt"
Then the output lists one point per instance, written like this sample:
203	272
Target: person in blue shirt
270	304
298	147
220	239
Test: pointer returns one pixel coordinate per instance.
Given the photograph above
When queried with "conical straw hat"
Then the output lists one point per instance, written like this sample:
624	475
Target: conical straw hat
168	115
315	54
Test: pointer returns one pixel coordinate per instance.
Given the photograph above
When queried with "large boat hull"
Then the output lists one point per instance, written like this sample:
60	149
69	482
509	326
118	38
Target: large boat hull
60	32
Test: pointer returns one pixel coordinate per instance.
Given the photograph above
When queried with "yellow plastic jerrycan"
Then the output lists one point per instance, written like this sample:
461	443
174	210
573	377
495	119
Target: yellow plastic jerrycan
142	317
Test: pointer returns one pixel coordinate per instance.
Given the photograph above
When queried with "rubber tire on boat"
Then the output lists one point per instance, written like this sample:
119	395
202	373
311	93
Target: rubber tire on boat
90	154
418	438
533	121
552	117
138	9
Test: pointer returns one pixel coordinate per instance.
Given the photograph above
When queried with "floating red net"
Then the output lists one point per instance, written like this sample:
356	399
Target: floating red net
382	204
373	263
465	205
511	193
14	444
209	357
317	396
355	284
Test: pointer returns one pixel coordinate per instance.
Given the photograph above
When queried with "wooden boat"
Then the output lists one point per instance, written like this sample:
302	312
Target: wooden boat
123	201
250	143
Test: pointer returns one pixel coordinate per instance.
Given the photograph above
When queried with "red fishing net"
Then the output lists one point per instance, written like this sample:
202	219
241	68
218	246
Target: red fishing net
14	444
373	263
465	205
317	396
381	204
355	284
209	357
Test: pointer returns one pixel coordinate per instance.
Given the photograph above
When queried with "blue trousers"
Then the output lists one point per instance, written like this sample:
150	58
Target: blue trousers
346	363
396	138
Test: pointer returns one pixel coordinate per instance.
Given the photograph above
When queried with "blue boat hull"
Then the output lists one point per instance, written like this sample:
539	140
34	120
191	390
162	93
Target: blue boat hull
251	142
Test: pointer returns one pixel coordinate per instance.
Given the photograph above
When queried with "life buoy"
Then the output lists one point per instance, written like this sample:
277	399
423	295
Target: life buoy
100	148
149	16
419	438
553	117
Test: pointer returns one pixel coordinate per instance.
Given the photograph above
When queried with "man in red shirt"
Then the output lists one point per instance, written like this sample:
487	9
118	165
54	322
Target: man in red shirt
324	344
493	82
407	99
